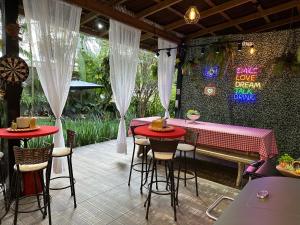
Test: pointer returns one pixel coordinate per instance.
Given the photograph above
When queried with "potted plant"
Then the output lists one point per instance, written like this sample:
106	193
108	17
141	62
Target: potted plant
285	160
193	115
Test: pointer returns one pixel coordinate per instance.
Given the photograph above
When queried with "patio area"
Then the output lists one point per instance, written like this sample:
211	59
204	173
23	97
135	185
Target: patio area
104	197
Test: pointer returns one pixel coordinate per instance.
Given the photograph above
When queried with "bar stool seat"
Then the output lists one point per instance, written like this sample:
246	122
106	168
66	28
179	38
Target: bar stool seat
142	141
185	147
163	156
1	155
32	167
61	151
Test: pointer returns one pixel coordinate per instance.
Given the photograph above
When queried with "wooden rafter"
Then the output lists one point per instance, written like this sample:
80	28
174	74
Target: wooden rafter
275	24
211	4
212	11
248	18
156	8
92	15
110	12
261	10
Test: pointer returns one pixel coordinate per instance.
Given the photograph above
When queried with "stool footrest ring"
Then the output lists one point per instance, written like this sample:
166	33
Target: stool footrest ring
61	177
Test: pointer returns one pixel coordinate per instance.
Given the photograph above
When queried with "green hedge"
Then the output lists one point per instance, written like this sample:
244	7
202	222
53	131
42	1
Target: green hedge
89	131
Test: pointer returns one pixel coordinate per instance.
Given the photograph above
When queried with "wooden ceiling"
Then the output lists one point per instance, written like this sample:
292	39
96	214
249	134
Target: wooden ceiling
164	18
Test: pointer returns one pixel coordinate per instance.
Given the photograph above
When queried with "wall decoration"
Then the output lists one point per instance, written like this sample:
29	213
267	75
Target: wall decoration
210	72
277	101
210	90
13	69
246	84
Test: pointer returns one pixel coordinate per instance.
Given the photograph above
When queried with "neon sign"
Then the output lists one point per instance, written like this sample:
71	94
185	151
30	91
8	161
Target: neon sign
246	84
210	72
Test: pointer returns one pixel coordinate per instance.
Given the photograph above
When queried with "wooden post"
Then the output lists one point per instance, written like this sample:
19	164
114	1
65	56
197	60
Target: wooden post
13	91
181	53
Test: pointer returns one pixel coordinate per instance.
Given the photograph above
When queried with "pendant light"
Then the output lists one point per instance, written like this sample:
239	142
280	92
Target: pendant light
192	15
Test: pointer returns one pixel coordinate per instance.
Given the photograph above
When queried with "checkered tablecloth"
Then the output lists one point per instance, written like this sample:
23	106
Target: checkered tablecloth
246	139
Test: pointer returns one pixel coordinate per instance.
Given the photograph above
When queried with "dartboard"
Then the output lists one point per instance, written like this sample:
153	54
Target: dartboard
13	69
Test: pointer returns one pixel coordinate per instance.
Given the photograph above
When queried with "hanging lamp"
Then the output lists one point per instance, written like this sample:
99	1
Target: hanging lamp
192	15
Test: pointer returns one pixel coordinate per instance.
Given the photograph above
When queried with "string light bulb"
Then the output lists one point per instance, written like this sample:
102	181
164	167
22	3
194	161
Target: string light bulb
192	15
252	49
202	50
240	45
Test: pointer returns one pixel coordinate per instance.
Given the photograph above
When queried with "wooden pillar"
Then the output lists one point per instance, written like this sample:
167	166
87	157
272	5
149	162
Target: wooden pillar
181	53
10	13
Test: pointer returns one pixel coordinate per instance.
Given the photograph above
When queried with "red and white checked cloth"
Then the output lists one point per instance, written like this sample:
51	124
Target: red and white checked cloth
226	136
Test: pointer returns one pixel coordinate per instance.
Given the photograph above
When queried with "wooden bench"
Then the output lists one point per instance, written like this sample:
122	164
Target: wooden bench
241	158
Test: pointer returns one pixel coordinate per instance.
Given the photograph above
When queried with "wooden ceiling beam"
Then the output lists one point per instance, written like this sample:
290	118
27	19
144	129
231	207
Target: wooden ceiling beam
156	8
88	17
211	4
110	12
261	10
257	15
210	12
275	24
92	15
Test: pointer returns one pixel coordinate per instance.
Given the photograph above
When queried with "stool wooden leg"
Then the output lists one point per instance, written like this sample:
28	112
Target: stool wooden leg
173	195
150	188
142	171
72	181
131	165
195	173
185	168
178	176
17	197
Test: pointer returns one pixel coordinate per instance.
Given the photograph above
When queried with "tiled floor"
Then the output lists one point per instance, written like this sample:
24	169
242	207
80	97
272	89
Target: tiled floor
103	196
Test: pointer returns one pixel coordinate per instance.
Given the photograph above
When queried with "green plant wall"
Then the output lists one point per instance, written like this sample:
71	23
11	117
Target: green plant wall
278	103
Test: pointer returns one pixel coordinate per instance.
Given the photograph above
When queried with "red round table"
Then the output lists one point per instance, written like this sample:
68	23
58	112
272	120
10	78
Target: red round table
42	131
28	180
145	131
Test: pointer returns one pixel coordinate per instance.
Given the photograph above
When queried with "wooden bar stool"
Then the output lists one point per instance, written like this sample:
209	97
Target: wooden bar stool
67	152
144	145
189	146
33	160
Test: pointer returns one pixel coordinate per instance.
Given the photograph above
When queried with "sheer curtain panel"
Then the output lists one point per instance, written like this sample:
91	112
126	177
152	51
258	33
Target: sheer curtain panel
166	69
54	32
124	42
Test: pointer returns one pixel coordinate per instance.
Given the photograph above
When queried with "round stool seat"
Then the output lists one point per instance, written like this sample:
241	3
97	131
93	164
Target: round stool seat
1	155
32	167
142	141
61	151
163	156
185	147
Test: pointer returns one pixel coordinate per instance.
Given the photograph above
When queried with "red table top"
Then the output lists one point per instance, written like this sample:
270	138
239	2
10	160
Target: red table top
43	131
145	131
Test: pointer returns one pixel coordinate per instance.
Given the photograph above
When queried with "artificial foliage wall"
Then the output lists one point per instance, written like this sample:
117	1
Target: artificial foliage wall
267	98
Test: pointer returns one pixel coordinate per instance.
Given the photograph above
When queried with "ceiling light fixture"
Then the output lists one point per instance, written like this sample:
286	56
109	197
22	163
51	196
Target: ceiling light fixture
192	15
100	25
240	45
252	49
202	50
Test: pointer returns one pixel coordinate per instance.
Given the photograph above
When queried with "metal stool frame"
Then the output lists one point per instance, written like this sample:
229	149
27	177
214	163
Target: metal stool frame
70	143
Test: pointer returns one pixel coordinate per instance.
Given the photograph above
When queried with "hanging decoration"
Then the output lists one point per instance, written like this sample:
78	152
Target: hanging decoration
210	72
210	90
246	84
13	69
192	15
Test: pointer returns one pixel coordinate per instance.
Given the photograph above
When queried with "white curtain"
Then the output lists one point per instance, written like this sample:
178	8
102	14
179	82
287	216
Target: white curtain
124	42
166	69
54	32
